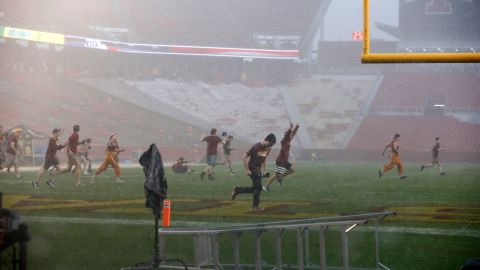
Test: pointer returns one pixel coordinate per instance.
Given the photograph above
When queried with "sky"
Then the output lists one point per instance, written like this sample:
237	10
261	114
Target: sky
346	16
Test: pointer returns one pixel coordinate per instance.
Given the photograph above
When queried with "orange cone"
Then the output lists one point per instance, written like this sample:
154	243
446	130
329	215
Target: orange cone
166	213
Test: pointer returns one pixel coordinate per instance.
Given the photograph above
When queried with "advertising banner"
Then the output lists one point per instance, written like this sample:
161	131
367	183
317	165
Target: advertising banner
31	35
92	43
116	46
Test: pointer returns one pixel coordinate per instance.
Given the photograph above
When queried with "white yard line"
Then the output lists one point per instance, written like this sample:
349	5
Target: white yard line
110	221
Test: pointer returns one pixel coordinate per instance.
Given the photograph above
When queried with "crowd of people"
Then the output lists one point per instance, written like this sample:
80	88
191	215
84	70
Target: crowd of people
394	158
254	160
77	151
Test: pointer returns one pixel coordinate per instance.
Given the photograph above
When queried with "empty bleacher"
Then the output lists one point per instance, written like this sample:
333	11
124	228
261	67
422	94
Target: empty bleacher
409	91
329	105
42	102
249	112
417	133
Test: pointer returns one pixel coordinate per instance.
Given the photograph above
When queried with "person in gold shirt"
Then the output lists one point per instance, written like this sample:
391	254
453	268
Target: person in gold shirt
111	159
394	147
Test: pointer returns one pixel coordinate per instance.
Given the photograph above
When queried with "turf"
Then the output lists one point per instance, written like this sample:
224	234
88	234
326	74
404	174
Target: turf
105	226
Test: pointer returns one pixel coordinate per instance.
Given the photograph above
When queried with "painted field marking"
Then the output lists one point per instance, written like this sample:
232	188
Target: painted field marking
116	221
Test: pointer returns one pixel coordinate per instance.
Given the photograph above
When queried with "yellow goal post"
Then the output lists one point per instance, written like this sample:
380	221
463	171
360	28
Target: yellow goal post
388	58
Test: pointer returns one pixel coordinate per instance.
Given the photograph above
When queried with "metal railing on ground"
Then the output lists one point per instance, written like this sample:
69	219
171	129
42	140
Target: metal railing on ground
206	242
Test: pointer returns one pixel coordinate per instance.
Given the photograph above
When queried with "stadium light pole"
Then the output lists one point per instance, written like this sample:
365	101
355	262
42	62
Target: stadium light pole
392	58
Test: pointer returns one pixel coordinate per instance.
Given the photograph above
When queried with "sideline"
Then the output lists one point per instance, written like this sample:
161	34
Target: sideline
110	221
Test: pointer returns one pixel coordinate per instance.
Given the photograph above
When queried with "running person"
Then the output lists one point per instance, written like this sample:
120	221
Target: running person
435	152
227	151
51	159
83	152
254	161
72	154
12	151
394	147
212	144
282	166
111	159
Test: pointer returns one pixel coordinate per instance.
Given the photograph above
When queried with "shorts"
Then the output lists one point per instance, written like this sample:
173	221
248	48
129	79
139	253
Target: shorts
10	159
50	163
211	160
282	167
83	156
73	159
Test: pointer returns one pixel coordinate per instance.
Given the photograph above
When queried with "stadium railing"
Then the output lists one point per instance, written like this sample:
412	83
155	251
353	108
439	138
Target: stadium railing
206	241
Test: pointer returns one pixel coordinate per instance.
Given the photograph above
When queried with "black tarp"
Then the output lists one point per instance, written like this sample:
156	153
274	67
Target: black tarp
155	185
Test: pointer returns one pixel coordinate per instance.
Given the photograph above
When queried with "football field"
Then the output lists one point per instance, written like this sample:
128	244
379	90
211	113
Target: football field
105	225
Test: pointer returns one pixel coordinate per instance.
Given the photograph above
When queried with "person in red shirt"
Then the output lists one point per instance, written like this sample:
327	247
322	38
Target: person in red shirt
12	151
51	159
282	166
212	144
435	152
73	159
254	161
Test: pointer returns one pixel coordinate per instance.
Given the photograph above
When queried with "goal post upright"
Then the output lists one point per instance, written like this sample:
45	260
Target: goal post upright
392	58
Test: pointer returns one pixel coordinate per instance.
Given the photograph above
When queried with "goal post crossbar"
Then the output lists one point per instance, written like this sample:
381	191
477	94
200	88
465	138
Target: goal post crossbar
386	58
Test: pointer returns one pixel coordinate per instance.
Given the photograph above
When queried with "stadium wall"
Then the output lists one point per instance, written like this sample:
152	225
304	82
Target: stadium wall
375	156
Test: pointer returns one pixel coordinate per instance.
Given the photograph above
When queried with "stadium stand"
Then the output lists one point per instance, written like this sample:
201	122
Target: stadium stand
59	102
408	92
417	133
235	108
330	105
230	23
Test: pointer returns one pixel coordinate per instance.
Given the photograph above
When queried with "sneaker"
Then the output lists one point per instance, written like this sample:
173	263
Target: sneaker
257	209
80	184
51	184
380	174
19	177
118	180
443	174
35	185
202	175
92	180
233	174
403	177
85	173
234	192
210	177
422	167
266	188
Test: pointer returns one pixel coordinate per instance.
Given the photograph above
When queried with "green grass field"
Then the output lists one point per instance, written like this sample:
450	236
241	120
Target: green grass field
105	225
